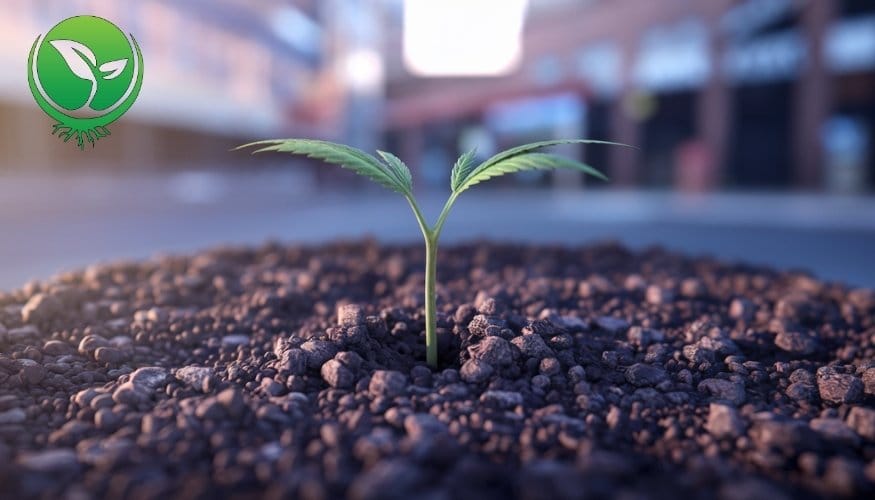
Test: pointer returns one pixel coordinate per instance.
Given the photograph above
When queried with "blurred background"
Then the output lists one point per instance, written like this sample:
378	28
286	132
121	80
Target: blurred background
754	119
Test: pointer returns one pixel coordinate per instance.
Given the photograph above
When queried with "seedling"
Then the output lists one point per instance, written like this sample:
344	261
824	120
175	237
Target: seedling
392	173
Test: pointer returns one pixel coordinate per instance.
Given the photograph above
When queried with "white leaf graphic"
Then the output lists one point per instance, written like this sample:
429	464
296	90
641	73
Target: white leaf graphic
77	57
113	68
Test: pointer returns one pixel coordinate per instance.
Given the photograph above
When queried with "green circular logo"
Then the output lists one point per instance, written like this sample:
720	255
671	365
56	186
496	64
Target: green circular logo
85	73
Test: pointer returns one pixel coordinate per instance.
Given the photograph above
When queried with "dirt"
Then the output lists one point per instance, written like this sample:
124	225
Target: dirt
565	373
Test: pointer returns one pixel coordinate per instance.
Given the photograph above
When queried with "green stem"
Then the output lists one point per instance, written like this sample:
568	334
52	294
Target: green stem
431	236
444	213
431	354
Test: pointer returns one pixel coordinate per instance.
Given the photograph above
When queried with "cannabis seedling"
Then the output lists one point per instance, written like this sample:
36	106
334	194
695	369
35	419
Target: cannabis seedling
392	173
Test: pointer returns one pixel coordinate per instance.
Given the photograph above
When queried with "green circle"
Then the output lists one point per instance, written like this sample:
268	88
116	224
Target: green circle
85	72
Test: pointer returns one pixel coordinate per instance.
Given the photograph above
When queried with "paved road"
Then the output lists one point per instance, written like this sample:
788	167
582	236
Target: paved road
58	223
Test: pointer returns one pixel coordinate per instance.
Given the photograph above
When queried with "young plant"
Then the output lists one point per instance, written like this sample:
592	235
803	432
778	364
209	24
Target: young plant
392	173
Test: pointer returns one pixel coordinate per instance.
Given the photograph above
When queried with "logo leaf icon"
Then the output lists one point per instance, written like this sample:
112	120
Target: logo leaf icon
77	57
113	68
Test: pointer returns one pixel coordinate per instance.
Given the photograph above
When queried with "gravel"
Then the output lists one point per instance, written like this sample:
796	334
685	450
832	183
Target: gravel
299	372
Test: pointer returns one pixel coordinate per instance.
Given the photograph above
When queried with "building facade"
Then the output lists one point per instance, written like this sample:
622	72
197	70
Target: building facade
735	94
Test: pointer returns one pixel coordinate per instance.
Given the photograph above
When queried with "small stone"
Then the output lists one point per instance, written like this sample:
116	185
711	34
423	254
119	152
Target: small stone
796	342
318	352
741	309
464	314
532	346
422	425
109	355
57	348
488	306
838	388
696	353
482	325
723	390
337	375
232	400
50	461
642	375
505	400
352	360
293	361
611	324
594	285
869	381
105	419
387	383
803	376
40	307
475	371
90	343
13	416
492	350
348	335
634	283
209	409
724	422
692	288
271	387
541	382
549	366
615	418
657	295
862	420
843	476
834	429
392	478
102	401
83	398
643	337
790	436
149	378
33	374
350	315
130	394
802	391
198	377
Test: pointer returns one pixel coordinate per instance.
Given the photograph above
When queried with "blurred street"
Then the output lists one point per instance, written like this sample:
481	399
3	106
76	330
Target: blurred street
64	223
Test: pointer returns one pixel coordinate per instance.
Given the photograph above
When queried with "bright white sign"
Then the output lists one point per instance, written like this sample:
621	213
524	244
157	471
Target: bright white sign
463	37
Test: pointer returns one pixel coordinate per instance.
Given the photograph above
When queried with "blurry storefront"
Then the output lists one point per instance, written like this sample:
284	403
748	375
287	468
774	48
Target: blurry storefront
763	94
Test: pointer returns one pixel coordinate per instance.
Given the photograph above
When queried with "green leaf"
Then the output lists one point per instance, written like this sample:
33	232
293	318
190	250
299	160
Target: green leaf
480	173
399	169
528	161
338	154
462	168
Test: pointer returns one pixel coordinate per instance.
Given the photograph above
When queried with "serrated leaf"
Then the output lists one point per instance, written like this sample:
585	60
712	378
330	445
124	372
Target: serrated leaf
528	161
402	173
337	154
465	182
462	168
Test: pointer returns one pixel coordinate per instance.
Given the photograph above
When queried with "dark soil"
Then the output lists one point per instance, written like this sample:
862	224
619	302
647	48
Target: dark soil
566	373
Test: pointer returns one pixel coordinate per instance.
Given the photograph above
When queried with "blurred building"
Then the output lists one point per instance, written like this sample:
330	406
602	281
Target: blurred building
716	93
216	72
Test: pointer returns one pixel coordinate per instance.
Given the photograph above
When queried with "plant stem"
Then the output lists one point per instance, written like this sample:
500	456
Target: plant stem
431	246
431	236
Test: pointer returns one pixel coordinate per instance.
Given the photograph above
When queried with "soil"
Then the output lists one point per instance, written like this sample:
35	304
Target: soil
565	373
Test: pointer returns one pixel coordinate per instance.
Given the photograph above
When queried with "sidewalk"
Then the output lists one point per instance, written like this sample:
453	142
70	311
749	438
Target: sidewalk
51	225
